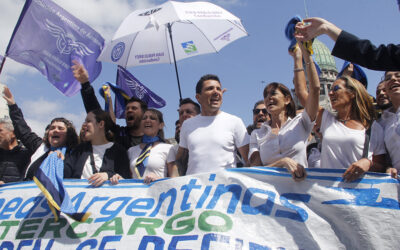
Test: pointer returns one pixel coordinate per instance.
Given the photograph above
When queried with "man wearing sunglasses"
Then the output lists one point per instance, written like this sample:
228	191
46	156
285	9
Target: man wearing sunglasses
260	115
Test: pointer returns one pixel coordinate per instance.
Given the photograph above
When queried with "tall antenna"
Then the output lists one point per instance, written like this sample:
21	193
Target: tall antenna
305	9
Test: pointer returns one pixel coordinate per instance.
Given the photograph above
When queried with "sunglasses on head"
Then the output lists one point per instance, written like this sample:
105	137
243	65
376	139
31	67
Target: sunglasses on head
257	111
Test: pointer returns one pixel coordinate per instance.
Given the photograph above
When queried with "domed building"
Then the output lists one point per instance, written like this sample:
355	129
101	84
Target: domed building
329	72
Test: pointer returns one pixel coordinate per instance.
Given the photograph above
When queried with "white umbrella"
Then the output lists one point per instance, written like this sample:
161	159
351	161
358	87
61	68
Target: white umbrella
170	32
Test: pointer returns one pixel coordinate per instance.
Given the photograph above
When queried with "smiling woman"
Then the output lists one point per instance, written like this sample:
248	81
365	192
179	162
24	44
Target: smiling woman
97	158
282	141
151	160
59	134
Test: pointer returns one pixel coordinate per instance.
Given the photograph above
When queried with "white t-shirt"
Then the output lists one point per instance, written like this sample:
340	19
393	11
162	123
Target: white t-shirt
156	163
98	154
387	117
392	138
172	153
211	141
342	146
291	140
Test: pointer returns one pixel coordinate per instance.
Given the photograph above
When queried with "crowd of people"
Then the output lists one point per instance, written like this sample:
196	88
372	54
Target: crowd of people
209	139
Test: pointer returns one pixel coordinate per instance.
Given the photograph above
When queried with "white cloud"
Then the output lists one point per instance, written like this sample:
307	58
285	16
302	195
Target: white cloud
42	111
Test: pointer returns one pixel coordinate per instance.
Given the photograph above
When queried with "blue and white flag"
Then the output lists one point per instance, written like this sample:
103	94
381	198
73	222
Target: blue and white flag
128	86
49	178
48	38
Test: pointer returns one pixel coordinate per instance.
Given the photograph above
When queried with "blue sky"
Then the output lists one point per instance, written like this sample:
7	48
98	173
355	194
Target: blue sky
243	66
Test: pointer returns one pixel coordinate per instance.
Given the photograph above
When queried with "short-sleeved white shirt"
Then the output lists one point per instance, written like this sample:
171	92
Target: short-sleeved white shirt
342	146
291	141
157	162
392	138
211	141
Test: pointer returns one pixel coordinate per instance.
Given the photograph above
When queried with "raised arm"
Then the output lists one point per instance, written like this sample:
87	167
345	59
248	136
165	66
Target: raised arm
108	100
87	92
21	129
299	79
349	47
312	103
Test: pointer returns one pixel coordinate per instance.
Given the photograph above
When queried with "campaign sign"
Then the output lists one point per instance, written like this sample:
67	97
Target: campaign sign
245	208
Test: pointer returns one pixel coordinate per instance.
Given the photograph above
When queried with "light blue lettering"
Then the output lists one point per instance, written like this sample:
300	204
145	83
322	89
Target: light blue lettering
170	193
300	214
112	213
157	241
10	207
188	188
264	209
176	239
20	214
208	238
138	204
106	239
236	191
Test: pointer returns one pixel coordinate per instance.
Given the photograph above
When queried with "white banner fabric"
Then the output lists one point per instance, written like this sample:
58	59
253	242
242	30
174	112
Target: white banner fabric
246	208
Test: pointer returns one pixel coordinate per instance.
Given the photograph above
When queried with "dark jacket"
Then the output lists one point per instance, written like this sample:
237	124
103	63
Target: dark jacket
121	133
13	163
30	140
115	160
24	133
363	52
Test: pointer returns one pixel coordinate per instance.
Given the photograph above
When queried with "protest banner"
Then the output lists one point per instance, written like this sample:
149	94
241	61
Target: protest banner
246	208
49	38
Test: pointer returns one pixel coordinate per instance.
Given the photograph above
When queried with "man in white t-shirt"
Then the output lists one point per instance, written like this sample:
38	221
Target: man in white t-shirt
211	138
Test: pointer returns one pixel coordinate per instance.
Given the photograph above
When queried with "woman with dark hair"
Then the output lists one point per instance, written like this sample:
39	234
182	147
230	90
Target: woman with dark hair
148	160
97	158
350	136
60	134
282	141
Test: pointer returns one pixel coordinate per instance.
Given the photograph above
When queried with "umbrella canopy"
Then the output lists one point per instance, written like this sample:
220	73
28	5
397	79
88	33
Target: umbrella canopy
195	28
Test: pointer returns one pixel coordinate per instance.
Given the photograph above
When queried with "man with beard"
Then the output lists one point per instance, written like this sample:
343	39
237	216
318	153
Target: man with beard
129	135
187	109
383	103
259	116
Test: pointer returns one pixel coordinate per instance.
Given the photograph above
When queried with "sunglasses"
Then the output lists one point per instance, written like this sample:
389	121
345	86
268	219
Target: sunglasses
335	88
257	111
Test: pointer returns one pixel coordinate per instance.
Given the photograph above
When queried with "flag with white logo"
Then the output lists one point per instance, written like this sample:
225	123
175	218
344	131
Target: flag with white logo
48	38
128	86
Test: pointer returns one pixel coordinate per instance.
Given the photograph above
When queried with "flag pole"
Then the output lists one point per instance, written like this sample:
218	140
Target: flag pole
2	63
305	8
176	68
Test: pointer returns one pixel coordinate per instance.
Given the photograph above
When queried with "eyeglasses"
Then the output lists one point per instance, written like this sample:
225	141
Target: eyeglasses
257	111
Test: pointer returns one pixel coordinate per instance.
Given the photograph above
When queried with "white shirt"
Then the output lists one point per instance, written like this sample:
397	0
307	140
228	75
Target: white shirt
172	153
291	140
98	154
342	146
211	141
156	163
387	117
392	138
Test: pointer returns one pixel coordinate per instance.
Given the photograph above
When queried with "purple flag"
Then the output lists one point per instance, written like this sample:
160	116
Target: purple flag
130	87
48	38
